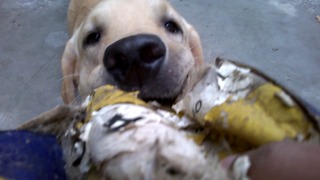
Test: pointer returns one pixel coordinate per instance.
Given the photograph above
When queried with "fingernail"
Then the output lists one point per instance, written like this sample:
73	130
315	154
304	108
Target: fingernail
228	161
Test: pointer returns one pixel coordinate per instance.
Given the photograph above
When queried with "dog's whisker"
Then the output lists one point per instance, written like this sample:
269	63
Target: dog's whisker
72	76
53	83
197	57
76	100
61	79
194	45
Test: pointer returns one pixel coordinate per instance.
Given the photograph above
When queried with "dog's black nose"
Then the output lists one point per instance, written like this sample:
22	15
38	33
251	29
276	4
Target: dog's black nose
134	59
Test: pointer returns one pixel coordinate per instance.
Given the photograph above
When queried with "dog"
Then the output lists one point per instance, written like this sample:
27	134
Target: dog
136	45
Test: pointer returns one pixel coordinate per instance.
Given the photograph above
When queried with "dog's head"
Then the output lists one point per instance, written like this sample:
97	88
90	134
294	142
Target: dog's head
142	45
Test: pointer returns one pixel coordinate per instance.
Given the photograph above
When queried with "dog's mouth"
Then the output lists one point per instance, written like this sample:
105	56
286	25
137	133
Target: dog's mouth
168	101
169	98
189	82
163	101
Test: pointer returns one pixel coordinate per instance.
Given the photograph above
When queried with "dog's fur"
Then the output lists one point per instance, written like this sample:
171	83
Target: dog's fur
83	68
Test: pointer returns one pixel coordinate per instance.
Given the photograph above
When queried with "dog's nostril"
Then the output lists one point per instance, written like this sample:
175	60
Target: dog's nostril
110	63
151	52
122	63
116	60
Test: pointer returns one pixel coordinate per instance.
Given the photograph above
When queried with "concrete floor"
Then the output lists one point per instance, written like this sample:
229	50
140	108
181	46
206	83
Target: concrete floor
280	37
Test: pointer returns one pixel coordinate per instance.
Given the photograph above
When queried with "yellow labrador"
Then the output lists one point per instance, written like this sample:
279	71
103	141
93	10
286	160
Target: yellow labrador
140	45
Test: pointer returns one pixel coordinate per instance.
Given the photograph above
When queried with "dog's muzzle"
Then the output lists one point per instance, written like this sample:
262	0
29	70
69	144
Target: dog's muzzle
134	60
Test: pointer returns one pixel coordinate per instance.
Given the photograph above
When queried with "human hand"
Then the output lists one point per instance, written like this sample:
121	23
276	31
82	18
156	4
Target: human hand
282	160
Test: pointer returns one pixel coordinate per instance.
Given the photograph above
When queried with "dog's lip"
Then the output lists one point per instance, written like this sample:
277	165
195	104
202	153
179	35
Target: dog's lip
162	101
168	100
165	100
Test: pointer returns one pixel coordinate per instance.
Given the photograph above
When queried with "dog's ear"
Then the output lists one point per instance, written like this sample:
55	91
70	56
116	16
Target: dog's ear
70	78
195	44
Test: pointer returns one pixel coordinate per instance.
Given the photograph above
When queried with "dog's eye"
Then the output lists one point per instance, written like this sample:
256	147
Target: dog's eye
172	27
92	38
